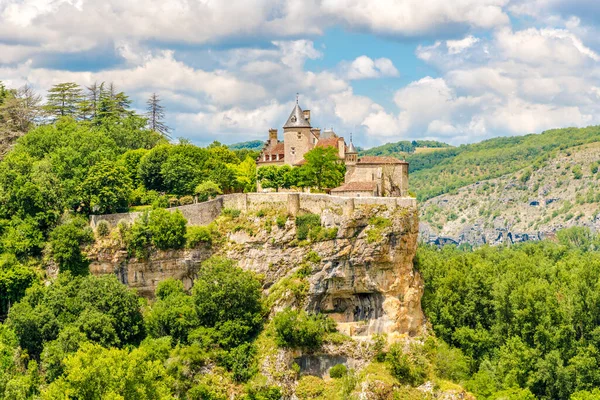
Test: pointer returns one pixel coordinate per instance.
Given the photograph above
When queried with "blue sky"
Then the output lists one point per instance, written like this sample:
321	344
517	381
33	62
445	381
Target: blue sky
386	70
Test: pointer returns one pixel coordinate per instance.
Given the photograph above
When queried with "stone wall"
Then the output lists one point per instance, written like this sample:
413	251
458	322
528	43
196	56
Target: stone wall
292	203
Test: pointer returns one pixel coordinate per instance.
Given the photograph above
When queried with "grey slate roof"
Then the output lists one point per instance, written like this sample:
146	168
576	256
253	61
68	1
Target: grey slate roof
351	148
296	119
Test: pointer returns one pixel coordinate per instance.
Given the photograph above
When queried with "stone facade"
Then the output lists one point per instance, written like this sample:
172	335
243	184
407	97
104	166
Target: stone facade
388	174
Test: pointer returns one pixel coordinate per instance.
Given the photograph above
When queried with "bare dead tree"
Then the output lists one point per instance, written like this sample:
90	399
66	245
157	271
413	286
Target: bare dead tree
155	113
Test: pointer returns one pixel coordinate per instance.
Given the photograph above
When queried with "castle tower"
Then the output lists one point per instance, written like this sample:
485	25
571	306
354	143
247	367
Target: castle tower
297	135
351	153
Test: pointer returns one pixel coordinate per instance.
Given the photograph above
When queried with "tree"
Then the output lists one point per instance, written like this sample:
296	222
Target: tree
228	301
155	113
88	107
245	173
63	100
20	109
273	176
323	168
207	190
106	188
167	229
65	244
94	372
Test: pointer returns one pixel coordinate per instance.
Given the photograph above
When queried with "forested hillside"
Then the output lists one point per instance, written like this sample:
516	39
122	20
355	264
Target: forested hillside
443	171
405	147
251	145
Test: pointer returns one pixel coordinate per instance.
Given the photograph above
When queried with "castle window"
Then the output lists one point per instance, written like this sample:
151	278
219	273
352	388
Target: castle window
293	150
299	136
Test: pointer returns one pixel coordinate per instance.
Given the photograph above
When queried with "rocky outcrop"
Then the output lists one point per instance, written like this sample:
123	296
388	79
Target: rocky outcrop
363	277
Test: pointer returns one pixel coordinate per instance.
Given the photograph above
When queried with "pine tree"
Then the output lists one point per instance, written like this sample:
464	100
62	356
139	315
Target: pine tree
63	100
88	107
112	104
156	116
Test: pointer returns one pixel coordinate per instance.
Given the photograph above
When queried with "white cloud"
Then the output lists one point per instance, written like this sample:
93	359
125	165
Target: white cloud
365	67
457	46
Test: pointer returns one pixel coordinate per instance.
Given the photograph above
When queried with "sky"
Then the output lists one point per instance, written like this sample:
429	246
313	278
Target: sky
457	71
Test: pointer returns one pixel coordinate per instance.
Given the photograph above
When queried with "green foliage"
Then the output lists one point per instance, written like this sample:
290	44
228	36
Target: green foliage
167	229
445	170
106	189
305	224
506	309
407	368
323	168
377	227
198	234
101	308
102	229
338	371
65	245
230	212
273	176
15	278
298	329
404	146
281	220
251	145
228	301
577	172
207	190
94	372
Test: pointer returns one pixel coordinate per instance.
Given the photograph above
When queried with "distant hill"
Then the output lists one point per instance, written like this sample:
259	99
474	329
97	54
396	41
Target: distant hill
404	147
512	188
433	174
251	145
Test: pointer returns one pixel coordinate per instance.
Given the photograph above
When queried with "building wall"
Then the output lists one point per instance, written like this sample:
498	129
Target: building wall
391	179
299	139
361	193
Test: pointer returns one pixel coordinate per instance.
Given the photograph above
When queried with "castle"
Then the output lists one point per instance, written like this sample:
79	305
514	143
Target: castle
365	176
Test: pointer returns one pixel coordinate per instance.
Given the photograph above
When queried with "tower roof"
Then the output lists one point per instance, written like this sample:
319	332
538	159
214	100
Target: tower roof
296	119
351	148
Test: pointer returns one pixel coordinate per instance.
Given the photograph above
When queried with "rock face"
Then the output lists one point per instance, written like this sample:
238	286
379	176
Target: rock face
363	278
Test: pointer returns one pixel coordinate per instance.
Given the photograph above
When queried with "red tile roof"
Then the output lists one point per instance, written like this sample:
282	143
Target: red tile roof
279	148
356	187
331	142
379	160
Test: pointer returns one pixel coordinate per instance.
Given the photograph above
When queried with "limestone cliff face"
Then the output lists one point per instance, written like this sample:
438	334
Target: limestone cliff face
363	278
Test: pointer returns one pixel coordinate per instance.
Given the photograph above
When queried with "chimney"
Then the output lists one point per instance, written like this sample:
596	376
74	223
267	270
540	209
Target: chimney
272	135
306	114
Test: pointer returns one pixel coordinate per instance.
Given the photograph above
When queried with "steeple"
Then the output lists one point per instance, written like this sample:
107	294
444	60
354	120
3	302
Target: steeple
296	118
351	153
351	148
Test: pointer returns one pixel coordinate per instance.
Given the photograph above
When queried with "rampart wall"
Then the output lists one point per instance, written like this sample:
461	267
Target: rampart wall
293	203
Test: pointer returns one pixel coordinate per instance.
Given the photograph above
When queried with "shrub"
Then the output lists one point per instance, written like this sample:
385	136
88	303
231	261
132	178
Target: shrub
198	234
173	201
230	212
313	257
207	190
297	329
305	223
160	202
167	229
185	200
338	371
138	237
404	368
281	220
577	172
310	387
102	229
65	242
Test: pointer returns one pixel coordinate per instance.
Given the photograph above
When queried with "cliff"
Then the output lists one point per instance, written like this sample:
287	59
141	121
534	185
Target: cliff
355	264
530	204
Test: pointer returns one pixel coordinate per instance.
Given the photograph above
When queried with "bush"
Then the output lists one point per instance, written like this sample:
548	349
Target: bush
230	212
297	329
138	236
577	172
404	368
102	229
186	200
306	223
160	202
167	229
281	220
338	371
196	235
207	190
65	242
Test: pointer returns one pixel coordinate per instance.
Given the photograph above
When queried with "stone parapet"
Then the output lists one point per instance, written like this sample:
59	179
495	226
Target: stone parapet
292	203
